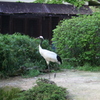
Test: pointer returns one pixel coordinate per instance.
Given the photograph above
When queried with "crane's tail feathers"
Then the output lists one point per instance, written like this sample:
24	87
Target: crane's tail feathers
59	59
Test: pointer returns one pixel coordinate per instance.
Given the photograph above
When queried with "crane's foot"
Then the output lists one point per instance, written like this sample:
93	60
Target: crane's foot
54	75
49	76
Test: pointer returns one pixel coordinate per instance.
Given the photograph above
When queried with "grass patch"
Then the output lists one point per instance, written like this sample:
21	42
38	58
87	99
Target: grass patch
85	67
44	90
89	68
8	93
31	73
66	66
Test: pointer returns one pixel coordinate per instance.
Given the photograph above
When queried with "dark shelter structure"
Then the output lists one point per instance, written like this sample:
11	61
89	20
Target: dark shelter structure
35	19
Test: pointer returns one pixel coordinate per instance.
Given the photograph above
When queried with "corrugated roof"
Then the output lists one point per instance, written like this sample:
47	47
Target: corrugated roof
14	7
68	9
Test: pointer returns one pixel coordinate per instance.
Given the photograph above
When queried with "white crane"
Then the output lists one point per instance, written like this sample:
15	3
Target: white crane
49	56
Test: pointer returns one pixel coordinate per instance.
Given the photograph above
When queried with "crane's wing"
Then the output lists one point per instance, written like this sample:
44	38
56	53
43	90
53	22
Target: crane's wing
49	55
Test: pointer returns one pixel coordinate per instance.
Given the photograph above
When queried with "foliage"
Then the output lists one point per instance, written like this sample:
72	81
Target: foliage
79	41
31	73
88	67
95	8
19	1
8	93
49	1
19	50
78	3
74	2
44	91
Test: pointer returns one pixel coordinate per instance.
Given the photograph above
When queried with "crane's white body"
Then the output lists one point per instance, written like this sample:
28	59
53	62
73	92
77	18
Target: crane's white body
48	55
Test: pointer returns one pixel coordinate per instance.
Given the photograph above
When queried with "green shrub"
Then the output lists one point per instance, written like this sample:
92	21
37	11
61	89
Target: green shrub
31	73
19	50
78	40
44	90
88	67
8	93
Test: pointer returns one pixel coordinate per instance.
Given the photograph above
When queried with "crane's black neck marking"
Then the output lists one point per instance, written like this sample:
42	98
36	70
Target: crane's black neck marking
59	59
41	41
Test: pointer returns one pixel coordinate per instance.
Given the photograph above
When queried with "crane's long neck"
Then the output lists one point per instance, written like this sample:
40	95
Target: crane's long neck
40	45
41	42
40	48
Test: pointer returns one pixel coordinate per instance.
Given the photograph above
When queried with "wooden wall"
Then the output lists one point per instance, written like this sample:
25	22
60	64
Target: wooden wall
31	25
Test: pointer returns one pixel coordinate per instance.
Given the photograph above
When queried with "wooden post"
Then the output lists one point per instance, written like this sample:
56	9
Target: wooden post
11	25
26	28
0	24
40	26
50	28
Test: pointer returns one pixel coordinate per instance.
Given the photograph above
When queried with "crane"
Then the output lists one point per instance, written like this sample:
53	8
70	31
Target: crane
49	56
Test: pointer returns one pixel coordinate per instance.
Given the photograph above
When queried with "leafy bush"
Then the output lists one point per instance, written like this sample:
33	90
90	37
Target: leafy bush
31	73
49	1
8	93
44	90
79	41
77	3
87	67
19	50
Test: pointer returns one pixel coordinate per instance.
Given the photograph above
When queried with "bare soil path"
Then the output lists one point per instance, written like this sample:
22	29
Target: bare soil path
81	85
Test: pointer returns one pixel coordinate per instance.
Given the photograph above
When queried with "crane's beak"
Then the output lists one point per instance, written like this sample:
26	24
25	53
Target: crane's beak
37	38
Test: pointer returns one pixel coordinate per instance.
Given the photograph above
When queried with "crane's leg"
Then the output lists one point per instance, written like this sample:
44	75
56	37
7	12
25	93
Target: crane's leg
49	71
48	68
55	72
56	69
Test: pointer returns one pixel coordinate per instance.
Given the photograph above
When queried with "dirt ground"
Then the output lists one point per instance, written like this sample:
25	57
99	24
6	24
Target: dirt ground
81	85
